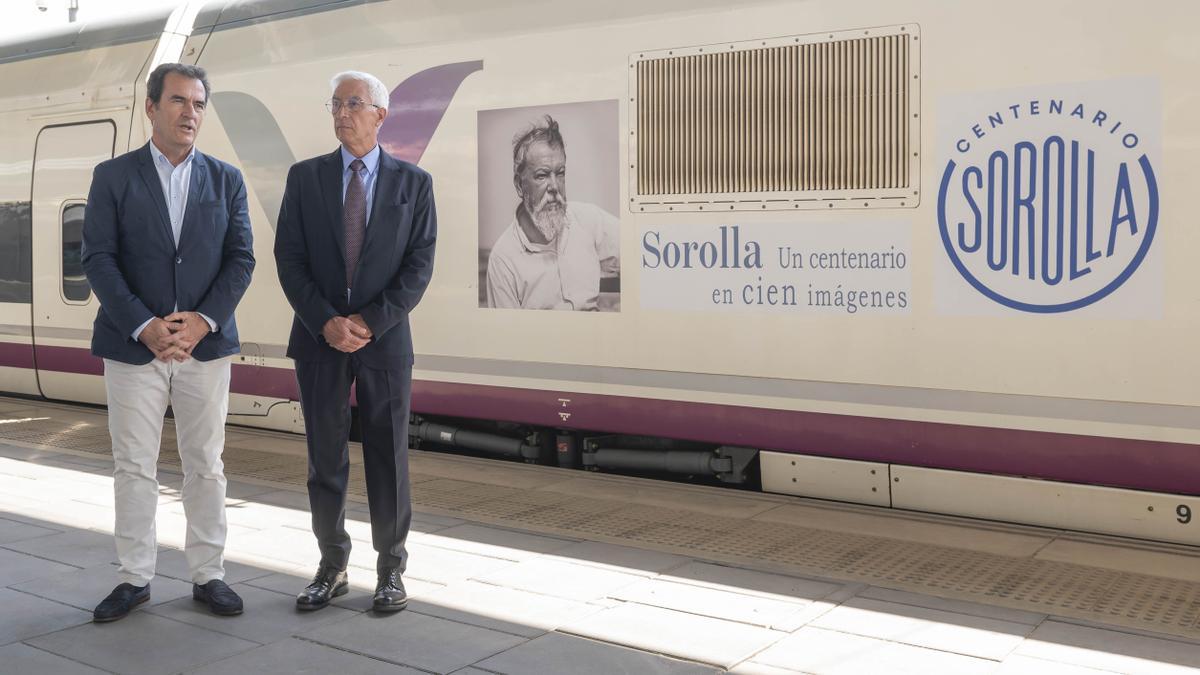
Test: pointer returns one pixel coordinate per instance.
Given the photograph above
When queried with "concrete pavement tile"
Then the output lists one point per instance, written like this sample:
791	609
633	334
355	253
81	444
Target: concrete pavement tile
731	606
81	548
936	530
429	522
1118	555
85	588
72	463
1110	649
142	643
922	627
289	499
26	454
240	490
18	567
739	580
558	653
299	657
723	503
14	530
958	606
172	563
415	639
1026	665
444	566
687	636
489	473
285	544
362	587
26	660
248	513
824	652
495	542
269	616
23	616
754	668
561	579
503	609
619	558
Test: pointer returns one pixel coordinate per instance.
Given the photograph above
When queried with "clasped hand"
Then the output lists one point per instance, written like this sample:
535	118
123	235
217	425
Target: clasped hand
347	333
173	337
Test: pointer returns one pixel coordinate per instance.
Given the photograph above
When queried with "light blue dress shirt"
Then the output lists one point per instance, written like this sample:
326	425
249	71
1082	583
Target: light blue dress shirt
175	181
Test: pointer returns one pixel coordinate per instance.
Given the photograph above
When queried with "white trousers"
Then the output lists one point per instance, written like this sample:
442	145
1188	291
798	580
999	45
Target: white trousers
198	392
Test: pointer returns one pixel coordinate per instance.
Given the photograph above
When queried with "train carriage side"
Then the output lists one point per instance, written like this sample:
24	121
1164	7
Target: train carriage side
913	255
67	104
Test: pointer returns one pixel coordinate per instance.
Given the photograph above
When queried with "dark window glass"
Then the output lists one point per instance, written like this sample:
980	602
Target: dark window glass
15	269
74	283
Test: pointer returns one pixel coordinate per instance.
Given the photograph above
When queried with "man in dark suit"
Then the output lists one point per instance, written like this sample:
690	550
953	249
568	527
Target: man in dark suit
167	248
354	250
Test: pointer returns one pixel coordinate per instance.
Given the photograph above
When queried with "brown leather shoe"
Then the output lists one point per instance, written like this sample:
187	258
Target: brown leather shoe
328	584
389	592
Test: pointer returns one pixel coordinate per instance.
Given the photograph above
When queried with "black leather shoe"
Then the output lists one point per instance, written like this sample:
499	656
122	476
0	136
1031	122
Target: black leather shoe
326	585
120	602
389	592
221	599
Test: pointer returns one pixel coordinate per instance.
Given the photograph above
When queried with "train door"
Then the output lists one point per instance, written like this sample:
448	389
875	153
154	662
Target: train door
63	303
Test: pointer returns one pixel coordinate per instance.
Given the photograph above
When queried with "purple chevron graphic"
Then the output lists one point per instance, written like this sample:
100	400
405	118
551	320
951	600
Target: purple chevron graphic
416	108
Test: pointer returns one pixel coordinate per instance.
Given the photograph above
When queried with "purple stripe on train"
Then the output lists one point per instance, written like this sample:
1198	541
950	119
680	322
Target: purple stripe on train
1118	462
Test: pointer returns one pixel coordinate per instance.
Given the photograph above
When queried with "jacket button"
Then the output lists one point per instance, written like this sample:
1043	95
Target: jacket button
178	261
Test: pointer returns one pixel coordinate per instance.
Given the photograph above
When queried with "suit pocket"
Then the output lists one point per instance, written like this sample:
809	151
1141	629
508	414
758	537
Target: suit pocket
212	220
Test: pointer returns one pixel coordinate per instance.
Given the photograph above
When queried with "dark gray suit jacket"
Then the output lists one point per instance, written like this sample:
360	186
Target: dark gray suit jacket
394	268
137	271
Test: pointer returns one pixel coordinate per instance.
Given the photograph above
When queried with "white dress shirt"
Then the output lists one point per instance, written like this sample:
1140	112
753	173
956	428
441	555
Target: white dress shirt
175	181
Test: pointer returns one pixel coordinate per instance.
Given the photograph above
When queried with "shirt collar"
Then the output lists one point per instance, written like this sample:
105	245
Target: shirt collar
160	158
369	160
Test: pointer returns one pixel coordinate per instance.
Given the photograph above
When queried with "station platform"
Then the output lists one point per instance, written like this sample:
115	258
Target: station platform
528	569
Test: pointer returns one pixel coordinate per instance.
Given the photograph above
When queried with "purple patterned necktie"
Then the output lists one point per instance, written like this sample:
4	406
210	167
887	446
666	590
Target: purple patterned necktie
354	217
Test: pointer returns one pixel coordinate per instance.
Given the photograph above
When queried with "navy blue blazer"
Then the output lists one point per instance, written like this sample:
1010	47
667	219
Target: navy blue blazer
137	271
394	267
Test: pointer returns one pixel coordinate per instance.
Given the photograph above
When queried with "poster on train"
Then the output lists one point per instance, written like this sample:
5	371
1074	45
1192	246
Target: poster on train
850	268
1049	201
549	237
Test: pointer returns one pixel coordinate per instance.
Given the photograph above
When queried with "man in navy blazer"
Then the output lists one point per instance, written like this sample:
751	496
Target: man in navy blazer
167	249
354	251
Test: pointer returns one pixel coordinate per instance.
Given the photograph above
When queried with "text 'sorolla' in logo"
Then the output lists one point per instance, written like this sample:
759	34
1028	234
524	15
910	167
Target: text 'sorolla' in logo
1048	205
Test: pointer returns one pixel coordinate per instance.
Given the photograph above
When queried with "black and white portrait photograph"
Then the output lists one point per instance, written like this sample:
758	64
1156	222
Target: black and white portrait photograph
549	236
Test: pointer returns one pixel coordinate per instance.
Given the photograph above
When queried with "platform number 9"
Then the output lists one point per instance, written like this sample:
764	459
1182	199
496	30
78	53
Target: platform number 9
1183	513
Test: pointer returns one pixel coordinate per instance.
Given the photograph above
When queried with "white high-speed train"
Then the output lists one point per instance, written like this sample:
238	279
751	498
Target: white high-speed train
907	252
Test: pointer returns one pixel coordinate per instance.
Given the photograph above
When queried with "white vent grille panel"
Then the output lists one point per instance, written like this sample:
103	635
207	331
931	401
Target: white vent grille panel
812	121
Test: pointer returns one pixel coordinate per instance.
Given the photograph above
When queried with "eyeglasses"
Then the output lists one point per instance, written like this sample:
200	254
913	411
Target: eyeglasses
353	105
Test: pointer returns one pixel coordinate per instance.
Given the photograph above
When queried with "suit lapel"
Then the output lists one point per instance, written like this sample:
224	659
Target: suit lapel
154	187
385	190
196	185
331	188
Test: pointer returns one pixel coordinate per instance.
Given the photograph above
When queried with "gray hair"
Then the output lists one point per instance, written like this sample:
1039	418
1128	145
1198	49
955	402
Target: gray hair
545	130
375	87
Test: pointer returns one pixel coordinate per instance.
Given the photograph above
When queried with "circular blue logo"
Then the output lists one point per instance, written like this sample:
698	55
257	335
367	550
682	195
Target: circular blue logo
1047	214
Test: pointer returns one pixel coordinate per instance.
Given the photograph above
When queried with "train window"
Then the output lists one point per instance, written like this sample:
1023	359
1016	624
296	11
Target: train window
15	269
75	286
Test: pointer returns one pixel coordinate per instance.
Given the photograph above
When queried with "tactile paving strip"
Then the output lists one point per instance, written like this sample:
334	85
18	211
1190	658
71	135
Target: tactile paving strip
1138	601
